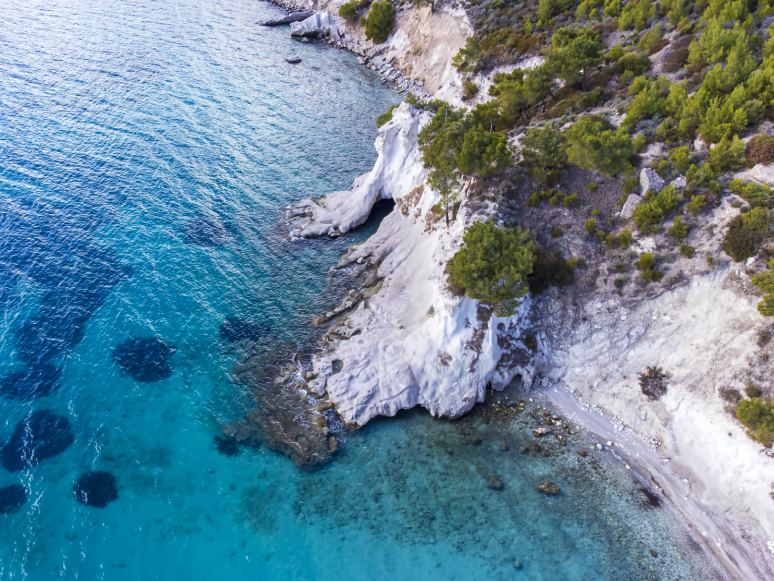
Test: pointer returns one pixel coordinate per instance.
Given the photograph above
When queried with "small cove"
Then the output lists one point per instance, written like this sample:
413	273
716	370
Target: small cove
147	153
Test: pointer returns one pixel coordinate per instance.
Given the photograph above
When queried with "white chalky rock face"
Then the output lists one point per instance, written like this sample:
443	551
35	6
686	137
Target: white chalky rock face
650	180
413	342
318	23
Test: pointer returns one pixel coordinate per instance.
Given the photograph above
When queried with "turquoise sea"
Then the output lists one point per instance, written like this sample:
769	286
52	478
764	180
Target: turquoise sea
147	149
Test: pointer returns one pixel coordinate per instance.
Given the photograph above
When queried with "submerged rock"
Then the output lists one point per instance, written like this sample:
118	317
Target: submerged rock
37	381
549	488
97	489
146	359
234	329
42	434
539	432
494	483
206	231
12	498
227	446
293	59
286	420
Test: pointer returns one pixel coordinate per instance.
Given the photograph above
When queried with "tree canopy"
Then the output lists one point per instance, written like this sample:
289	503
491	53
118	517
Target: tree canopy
494	263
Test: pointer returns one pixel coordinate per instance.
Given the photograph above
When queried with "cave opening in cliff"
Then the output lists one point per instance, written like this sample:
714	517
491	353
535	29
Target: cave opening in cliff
379	211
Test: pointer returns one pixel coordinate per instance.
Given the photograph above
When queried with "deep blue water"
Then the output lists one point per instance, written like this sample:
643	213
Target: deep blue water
147	149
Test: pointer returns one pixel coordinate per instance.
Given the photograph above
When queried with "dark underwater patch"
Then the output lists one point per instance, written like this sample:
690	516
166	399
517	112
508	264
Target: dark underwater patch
235	329
97	489
12	498
226	446
42	434
145	359
31	383
206	231
651	499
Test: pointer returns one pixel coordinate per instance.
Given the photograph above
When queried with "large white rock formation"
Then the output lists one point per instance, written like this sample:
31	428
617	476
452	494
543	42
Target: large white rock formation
413	342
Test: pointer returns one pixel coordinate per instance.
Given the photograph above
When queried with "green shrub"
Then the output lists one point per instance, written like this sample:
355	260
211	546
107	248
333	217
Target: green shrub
590	225
754	194
686	250
469	89
348	10
625	238
727	155
610	240
544	152
746	233
379	22
678	229
765	282
646	261
385	117
630	184
570	200
556	232
483	152
757	416
469	57
645	264
639	142
575	262
600	235
696	204
592	186
595	145
595	212
493	263
681	158
651	213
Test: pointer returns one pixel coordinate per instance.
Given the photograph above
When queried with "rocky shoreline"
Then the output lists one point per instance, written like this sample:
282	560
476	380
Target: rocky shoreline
403	340
340	36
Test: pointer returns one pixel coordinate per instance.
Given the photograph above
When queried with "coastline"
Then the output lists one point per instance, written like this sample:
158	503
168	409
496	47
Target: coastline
708	528
717	530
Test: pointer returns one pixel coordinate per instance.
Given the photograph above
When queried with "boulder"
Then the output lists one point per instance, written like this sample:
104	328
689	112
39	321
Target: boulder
628	208
288	18
650	180
680	182
538	432
293	59
317	24
494	483
549	488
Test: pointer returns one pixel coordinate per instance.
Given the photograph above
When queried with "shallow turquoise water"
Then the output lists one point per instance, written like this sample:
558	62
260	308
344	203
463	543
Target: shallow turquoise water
122	125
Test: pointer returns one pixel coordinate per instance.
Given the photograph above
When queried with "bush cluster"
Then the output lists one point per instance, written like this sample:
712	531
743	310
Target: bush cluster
759	150
494	263
654	382
379	22
757	415
746	233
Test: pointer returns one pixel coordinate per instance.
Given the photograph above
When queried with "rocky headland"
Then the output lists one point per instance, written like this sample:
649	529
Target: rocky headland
402	337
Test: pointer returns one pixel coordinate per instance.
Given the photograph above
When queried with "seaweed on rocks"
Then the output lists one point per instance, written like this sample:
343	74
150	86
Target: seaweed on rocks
31	383
145	359
234	329
97	489
206	231
226	446
41	435
12	498
287	419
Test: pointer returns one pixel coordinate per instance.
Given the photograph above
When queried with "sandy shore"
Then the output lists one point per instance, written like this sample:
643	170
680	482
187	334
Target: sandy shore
718	534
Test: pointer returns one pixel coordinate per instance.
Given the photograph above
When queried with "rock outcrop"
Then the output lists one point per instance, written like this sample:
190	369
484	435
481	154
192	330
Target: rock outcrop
297	16
317	24
413	342
650	180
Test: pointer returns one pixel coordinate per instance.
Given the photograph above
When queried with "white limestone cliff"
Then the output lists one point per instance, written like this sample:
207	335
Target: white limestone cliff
412	342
